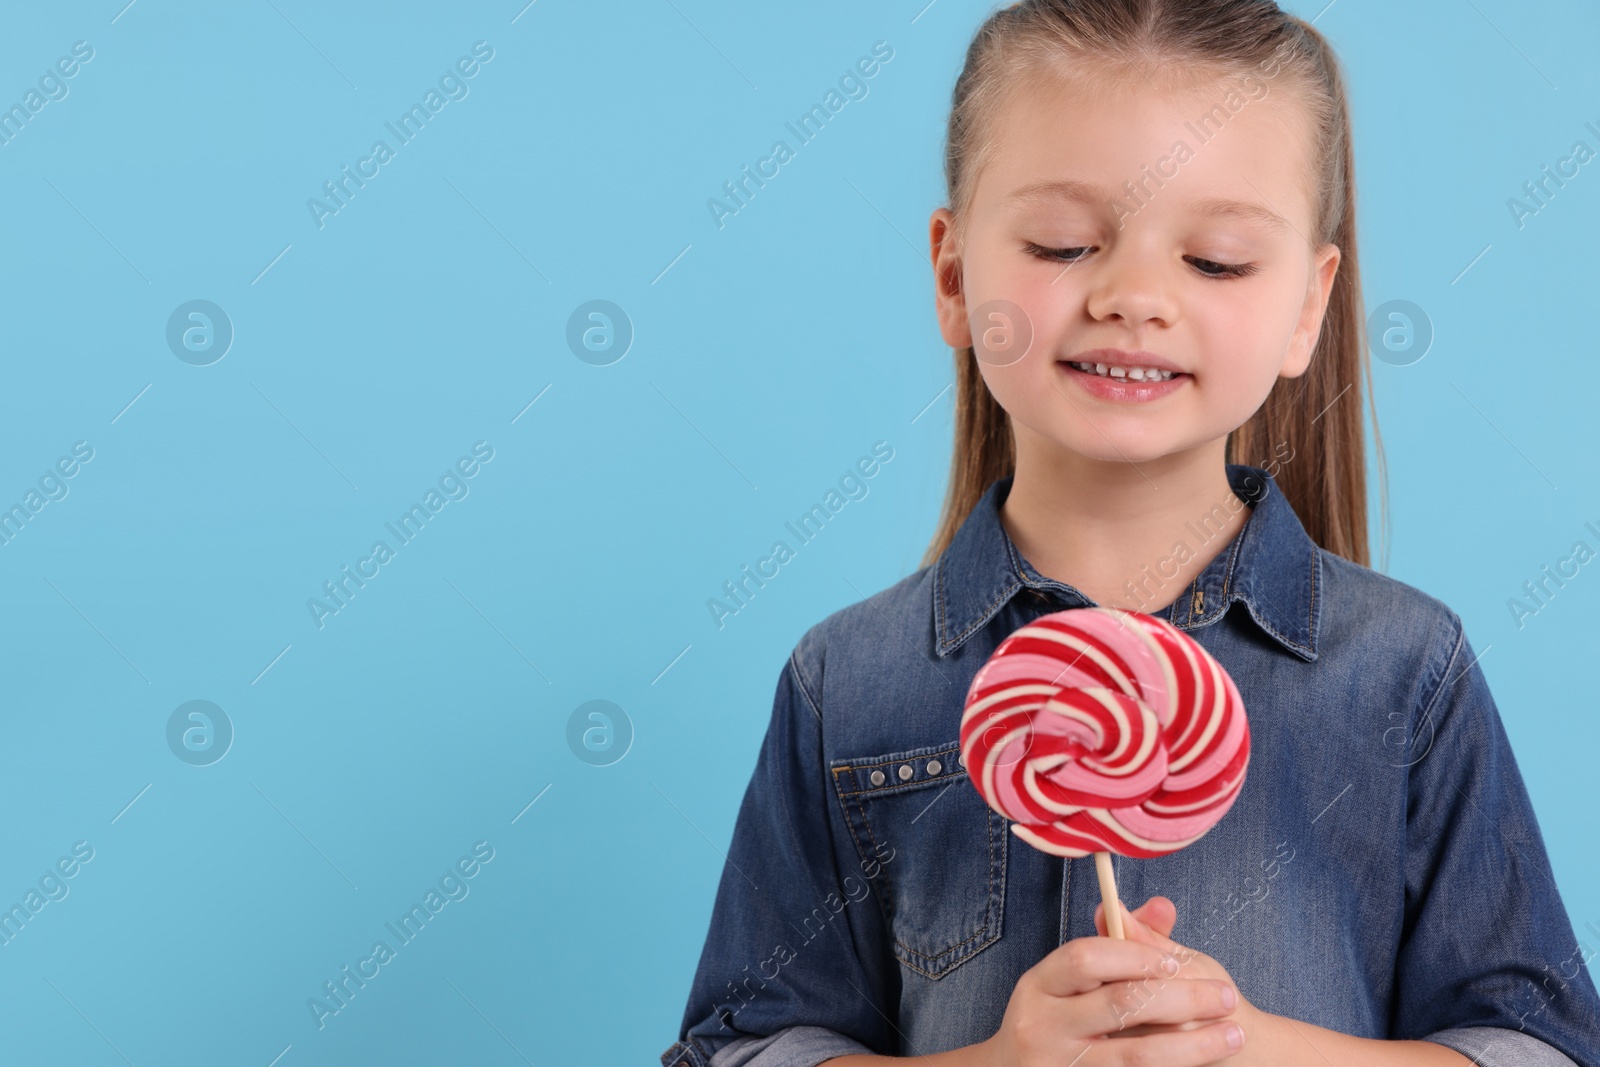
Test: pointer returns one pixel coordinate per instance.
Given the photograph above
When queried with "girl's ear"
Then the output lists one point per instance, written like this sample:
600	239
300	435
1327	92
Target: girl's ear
1304	339
949	297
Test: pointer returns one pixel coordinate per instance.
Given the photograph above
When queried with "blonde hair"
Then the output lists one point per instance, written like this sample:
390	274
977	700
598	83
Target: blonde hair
1325	482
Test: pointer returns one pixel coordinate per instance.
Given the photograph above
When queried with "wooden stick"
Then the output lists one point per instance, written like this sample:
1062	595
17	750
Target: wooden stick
1108	893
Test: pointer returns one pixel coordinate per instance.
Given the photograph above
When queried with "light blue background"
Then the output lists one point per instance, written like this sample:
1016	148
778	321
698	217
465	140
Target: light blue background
428	313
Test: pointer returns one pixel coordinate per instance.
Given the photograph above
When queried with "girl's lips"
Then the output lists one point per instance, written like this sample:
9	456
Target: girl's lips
1123	389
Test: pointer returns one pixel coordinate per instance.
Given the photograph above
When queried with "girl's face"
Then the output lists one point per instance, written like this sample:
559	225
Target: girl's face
1201	263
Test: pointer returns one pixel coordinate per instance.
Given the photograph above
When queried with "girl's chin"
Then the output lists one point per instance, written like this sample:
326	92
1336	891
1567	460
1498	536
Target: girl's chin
1113	450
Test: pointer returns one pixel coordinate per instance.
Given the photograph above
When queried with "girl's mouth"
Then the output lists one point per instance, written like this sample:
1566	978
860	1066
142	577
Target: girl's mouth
1136	384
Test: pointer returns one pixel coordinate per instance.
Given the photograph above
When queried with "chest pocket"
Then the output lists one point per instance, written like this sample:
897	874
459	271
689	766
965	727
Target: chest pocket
943	885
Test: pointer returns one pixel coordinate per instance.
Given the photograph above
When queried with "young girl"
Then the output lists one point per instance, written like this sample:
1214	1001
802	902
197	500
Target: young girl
1147	268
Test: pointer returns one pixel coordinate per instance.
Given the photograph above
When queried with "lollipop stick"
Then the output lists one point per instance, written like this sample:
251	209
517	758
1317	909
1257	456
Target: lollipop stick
1108	893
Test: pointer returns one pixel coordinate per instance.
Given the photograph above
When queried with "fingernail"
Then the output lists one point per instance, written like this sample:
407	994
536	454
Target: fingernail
1169	967
1229	997
1235	1036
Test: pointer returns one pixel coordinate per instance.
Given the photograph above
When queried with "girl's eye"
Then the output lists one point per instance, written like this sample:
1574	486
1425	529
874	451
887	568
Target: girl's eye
1061	255
1213	269
1207	267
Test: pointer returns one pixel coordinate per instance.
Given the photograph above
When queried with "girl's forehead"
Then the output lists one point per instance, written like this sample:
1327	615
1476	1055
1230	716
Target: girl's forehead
1210	135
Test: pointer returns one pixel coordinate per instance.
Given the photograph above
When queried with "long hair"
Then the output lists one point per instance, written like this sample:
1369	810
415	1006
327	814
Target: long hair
1319	414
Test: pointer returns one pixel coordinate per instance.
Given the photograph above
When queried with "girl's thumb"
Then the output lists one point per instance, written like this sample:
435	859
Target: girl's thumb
1132	928
1135	927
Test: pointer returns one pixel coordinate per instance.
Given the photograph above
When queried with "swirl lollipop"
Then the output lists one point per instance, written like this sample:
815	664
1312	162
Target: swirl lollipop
1098	730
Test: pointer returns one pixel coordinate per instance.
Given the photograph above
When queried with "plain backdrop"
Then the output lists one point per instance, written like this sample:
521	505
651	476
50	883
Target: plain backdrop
430	313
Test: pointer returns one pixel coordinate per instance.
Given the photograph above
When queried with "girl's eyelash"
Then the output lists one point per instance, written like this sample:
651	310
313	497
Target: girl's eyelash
1223	270
1059	254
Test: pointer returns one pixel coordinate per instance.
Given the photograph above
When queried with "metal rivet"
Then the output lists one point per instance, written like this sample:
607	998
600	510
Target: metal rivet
962	759
906	772
877	777
934	766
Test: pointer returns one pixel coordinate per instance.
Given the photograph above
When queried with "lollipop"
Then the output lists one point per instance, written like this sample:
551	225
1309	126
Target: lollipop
1097	730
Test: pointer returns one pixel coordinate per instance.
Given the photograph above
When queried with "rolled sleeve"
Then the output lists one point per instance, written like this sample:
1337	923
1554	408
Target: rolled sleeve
1490	1046
794	967
1488	962
795	1045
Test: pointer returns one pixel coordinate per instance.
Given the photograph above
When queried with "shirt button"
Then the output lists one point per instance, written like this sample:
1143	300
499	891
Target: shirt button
934	766
906	772
877	777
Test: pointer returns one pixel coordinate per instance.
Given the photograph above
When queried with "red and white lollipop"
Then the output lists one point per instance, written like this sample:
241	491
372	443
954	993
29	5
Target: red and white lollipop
1097	730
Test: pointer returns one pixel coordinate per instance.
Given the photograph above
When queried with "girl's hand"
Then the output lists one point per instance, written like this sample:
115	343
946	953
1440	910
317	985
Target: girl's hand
1151	925
1083	995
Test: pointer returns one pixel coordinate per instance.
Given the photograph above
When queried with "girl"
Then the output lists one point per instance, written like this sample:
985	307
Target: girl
1147	268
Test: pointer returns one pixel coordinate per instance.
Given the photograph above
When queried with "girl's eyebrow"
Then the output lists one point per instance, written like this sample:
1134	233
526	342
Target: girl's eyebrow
1218	207
1092	195
1058	189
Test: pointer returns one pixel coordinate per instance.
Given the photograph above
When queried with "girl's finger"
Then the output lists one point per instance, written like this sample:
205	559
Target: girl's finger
1177	1048
1086	963
1133	928
1117	1006
1158	913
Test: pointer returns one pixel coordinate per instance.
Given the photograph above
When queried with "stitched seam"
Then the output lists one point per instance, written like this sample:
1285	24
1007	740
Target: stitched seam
1227	577
1427	710
1015	558
988	922
897	786
872	836
907	757
1285	638
888	884
950	949
1233	557
887	790
988	611
997	853
800	683
1208	618
955	948
1019	569
855	839
1311	612
892	788
1273	630
988	913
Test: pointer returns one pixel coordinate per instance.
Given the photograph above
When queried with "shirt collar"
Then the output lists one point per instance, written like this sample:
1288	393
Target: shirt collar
1272	566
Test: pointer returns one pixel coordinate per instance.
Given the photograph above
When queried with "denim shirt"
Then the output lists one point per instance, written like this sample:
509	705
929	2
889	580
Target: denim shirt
1381	872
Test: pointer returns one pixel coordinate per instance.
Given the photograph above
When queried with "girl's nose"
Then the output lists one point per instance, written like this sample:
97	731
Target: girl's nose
1133	288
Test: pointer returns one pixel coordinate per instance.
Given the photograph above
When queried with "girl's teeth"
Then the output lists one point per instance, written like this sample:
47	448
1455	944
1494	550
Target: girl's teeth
1137	374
